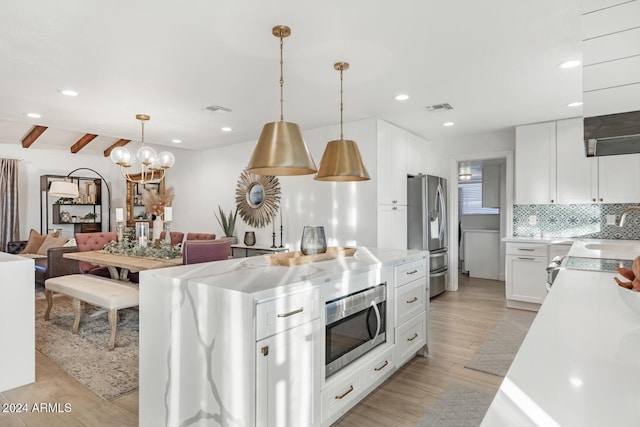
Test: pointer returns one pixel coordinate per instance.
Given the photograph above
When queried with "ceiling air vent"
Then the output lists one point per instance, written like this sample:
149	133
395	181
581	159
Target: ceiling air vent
439	107
214	108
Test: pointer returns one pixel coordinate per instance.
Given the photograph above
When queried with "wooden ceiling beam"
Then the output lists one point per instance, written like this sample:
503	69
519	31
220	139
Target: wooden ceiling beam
32	136
82	142
119	143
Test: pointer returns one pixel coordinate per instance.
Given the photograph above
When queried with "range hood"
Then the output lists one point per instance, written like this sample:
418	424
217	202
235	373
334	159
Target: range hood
612	134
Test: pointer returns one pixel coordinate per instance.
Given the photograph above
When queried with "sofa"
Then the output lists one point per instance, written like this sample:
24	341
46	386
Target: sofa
53	265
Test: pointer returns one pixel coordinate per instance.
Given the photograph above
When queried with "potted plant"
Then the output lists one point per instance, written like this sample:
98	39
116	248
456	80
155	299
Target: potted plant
228	223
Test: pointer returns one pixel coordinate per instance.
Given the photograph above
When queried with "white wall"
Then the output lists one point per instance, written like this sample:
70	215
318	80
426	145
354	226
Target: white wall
346	209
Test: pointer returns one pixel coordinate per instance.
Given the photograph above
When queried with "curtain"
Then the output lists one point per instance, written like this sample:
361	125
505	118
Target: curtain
9	218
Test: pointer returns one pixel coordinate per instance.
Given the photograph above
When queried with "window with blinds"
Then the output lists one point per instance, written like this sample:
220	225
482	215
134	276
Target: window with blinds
470	200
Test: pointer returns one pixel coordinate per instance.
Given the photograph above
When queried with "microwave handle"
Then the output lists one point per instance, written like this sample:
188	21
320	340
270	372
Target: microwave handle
374	304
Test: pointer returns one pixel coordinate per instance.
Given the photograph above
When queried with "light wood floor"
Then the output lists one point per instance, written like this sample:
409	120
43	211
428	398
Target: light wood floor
459	323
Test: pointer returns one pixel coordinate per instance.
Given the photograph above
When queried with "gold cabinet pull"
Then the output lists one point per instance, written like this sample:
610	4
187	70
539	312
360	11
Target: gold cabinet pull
265	350
411	301
412	272
415	335
384	365
340	396
526	258
526	249
291	313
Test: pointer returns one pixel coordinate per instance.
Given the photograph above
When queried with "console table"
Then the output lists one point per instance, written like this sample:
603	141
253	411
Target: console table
243	251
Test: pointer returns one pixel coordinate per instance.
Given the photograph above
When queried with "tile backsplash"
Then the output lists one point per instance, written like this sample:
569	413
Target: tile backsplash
587	221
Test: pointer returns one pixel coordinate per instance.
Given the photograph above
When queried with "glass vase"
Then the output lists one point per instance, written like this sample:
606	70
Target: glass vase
142	233
249	238
313	241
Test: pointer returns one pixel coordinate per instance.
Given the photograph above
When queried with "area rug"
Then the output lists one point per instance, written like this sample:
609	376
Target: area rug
498	350
458	406
85	356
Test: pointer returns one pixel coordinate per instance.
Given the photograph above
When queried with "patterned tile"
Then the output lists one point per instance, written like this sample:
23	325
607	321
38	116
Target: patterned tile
576	220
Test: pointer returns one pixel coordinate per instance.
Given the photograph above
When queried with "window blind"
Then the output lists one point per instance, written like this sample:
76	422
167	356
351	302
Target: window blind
470	200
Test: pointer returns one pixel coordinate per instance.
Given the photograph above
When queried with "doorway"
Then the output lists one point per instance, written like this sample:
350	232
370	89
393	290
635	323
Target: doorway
478	226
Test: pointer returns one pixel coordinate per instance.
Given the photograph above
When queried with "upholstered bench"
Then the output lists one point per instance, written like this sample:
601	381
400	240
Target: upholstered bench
99	291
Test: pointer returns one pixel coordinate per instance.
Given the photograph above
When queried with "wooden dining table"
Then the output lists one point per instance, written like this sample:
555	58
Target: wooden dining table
123	262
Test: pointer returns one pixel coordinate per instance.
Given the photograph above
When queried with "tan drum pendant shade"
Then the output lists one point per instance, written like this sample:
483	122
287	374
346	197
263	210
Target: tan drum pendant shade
341	160
280	149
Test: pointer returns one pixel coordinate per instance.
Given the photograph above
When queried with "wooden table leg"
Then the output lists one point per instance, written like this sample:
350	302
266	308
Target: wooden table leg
113	322
77	309
49	295
113	272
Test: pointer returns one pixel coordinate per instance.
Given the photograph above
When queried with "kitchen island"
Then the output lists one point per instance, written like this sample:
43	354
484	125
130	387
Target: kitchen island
242	343
579	364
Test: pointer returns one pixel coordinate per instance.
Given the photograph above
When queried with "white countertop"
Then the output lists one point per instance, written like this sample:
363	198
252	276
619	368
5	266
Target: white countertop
579	364
254	274
605	249
548	240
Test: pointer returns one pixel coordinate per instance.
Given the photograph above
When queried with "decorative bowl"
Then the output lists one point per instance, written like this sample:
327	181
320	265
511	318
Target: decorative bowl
630	298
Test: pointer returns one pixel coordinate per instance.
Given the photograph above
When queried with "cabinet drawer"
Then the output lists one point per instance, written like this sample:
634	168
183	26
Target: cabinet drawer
410	271
527	249
339	396
381	367
410	337
410	300
286	312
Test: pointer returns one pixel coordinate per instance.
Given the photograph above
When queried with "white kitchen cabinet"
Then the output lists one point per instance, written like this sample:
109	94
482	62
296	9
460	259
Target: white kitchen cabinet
482	253
535	164
392	226
526	274
576	174
411	309
283	399
618	178
392	164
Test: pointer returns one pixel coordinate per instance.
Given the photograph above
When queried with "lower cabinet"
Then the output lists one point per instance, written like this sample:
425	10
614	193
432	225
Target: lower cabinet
283	399
526	274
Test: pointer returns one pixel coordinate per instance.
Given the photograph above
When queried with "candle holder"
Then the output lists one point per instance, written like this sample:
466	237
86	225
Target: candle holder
120	230
142	233
281	228
273	236
167	232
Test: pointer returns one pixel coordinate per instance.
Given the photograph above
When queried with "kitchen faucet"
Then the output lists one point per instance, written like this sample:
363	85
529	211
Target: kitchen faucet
624	213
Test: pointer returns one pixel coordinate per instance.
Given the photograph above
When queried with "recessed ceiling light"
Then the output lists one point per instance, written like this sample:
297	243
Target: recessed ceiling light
402	97
176	141
226	129
575	104
569	64
34	115
448	124
68	92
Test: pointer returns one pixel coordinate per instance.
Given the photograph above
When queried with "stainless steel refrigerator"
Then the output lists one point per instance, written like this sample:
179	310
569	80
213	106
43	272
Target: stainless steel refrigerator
427	225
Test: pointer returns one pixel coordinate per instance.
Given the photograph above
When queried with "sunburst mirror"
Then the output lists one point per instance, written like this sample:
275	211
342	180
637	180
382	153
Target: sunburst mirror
257	198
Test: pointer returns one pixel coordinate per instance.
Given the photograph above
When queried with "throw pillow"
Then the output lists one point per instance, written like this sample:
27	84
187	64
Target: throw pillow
51	242
35	241
71	242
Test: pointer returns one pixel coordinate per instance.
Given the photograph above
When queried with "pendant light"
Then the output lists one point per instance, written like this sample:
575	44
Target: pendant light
280	149
341	160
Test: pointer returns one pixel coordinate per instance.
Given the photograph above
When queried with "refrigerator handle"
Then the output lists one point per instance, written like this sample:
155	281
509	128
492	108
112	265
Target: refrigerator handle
443	212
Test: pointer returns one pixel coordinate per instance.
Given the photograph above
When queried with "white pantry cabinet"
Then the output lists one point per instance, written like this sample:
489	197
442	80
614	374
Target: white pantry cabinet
392	226
526	274
576	174
392	164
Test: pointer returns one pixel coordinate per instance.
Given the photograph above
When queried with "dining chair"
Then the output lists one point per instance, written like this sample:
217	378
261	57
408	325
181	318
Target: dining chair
94	242
176	237
196	251
200	236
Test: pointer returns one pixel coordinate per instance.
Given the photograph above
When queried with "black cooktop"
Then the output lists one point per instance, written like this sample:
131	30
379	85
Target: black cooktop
595	264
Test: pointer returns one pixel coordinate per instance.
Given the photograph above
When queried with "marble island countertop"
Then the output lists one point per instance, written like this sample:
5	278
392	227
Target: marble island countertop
254	275
579	364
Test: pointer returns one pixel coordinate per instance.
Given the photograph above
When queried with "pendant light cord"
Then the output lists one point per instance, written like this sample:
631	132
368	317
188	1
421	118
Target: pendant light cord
281	80
341	134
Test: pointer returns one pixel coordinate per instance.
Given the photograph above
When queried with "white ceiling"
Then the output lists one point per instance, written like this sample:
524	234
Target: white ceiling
494	61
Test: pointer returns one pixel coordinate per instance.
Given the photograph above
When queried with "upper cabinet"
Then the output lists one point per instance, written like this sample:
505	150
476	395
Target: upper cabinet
535	164
392	164
551	167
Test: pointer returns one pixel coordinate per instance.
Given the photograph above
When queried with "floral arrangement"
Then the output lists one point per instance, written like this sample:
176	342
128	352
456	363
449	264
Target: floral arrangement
155	203
129	246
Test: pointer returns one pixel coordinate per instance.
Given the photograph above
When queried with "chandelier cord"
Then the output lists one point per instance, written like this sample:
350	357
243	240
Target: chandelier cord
341	134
